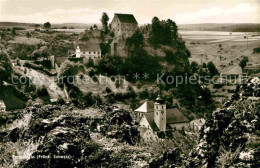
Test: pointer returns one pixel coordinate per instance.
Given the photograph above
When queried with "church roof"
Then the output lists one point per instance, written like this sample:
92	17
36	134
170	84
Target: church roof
126	18
150	118
147	106
175	116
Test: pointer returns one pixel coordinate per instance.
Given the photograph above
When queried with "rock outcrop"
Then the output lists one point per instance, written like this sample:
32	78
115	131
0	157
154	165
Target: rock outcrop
229	138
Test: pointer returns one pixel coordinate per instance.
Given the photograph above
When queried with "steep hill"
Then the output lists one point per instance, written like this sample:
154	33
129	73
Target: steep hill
230	136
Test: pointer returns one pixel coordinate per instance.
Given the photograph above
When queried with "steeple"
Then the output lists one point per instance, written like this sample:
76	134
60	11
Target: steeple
160	113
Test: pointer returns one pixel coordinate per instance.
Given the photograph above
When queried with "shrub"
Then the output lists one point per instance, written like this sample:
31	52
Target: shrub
256	50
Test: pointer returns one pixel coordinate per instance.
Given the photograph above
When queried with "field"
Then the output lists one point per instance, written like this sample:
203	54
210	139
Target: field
224	49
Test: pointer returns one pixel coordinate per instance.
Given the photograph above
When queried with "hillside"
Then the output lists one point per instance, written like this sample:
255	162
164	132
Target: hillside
55	136
57	25
229	27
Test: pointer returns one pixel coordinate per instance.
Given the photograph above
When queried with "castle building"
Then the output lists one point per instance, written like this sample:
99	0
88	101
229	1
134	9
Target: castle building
124	24
156	119
2	106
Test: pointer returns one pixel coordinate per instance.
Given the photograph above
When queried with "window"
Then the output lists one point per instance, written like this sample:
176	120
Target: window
94	52
162	118
98	52
89	52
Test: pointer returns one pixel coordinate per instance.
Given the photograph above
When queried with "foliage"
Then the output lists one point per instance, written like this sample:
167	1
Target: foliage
68	70
23	52
104	20
170	57
47	25
256	50
212	69
14	32
39	68
105	48
12	97
163	32
5	67
114	65
243	63
136	40
28	35
194	67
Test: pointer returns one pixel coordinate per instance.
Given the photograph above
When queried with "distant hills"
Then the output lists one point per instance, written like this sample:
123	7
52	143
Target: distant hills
55	25
230	27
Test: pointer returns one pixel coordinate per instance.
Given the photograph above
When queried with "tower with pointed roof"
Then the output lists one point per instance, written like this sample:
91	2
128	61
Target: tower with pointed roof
160	113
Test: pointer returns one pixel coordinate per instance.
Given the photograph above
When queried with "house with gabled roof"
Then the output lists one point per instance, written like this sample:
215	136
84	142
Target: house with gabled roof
156	119
88	50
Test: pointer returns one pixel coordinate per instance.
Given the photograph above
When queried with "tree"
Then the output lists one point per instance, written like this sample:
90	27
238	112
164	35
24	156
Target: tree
212	69
28	35
243	63
194	67
2	36
36	25
104	20
95	26
136	40
163	32
13	32
91	28
170	57
47	25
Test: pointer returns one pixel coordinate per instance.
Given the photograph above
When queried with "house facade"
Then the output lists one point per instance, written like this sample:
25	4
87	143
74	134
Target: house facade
156	119
124	25
88	50
2	106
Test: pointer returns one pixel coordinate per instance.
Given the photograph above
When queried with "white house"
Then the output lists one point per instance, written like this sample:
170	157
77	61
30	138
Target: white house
88	50
157	120
2	106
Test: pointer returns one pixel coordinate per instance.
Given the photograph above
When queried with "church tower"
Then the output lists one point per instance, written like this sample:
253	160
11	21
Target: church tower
160	113
78	52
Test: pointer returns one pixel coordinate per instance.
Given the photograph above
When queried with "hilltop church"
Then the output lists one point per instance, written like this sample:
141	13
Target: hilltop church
155	119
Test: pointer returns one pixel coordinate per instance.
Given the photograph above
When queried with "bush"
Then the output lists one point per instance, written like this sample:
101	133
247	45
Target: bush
212	69
257	50
39	67
136	40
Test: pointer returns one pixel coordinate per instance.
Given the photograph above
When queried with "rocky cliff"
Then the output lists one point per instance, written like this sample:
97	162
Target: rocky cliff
230	137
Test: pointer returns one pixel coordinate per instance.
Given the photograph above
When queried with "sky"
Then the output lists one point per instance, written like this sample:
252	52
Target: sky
90	11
